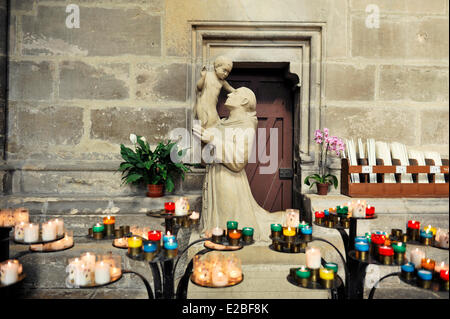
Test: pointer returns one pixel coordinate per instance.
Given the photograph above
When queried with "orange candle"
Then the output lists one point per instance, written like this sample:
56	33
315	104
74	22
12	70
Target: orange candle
109	220
428	264
234	234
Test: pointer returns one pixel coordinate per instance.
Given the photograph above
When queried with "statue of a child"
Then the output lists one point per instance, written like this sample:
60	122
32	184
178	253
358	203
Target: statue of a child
208	90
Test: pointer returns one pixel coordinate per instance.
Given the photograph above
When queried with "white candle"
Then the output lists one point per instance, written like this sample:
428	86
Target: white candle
313	258
48	231
441	238
9	273
440	266
292	218
89	260
102	273
194	215
181	206
31	233
81	275
115	272
234	274
416	257
219	278
217	231
59	226
19	231
67	241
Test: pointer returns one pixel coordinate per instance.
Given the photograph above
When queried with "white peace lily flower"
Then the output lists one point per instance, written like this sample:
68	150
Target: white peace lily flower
143	139
133	138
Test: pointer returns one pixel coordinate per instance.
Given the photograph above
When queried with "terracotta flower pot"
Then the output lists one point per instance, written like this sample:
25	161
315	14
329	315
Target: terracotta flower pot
322	189
155	190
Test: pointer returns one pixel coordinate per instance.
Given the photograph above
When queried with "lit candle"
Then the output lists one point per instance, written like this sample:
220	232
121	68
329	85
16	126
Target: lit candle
169	207
407	271
247	234
386	254
303	272
428	264
98	228
292	218
302	224
313	258
370	211
444	274
181	206
168	236
19	231
413	224
288	232
219	278
306	233
82	275
171	247
326	274
9	272
154	235
102	273
319	214
48	231
150	247
276	230
361	238
426	237
194	217
362	250
134	242
59	226
378	239
89	260
424	278
430	228
416	257
234	237
31	233
399	247
108	220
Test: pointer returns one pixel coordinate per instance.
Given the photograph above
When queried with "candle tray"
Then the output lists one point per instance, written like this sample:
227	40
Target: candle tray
287	250
211	286
225	245
398	189
373	261
161	213
336	226
94	285
337	282
20	278
118	246
51	250
435	285
40	241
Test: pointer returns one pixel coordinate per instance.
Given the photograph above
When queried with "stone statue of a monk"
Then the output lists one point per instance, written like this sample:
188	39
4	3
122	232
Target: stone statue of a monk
226	190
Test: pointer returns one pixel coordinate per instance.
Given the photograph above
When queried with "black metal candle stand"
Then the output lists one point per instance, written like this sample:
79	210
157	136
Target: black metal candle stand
40	240
297	245
436	285
107	237
340	222
181	221
337	282
211	286
372	260
160	256
225	243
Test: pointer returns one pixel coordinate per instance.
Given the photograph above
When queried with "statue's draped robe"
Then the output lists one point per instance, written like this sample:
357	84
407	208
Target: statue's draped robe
226	190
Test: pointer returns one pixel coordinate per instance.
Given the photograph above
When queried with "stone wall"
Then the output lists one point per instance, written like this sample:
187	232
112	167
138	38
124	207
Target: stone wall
77	93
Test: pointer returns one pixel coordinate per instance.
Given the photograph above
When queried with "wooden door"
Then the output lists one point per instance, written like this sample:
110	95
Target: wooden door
274	110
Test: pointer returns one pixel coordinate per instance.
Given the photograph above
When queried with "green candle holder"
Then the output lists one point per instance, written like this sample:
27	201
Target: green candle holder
232	225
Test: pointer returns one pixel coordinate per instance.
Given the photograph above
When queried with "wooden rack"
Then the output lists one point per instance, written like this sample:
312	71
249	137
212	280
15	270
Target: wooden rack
398	189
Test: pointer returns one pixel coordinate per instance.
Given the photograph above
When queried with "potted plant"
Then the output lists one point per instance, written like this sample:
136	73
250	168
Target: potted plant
326	143
152	168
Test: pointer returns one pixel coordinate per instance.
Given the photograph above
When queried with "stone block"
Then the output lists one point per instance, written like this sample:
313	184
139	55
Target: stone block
115	124
161	82
32	130
401	39
359	82
30	80
102	32
193	182
402	6
434	127
22	5
421	84
382	124
179	13
79	80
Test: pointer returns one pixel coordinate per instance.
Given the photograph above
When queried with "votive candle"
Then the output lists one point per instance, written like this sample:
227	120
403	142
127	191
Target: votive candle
102	273
313	258
48	231
31	233
416	257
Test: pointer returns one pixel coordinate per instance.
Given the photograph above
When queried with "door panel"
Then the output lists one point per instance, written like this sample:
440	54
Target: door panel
274	110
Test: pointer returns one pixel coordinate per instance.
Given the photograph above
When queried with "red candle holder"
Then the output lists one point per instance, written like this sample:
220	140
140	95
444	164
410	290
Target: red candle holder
386	255
413	224
169	207
444	274
370	211
378	239
154	235
320	214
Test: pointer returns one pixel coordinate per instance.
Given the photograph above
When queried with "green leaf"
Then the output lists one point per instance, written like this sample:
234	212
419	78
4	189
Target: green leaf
133	178
169	184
